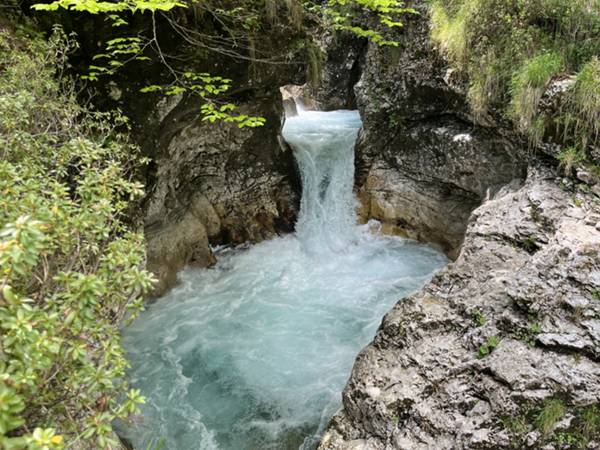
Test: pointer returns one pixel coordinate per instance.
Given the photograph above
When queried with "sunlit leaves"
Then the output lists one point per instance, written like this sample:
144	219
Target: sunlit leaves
99	7
343	15
208	88
212	113
117	53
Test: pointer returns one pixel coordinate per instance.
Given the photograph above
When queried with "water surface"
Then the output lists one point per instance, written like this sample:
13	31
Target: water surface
254	352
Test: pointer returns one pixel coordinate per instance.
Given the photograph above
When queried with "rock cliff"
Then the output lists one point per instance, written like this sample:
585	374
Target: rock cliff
422	163
217	183
419	138
472	360
212	183
501	349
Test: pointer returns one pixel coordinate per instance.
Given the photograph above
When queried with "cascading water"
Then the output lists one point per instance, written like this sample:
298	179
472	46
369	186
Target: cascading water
324	149
254	352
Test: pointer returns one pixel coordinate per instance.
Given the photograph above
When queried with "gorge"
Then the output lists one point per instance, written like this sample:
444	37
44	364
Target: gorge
367	229
252	353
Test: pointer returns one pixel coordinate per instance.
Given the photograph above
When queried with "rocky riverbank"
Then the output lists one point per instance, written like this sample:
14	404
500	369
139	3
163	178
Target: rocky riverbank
473	359
508	333
501	349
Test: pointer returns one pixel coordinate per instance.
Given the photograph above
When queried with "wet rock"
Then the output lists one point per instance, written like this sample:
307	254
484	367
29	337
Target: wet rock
341	59
217	183
514	321
426	180
207	183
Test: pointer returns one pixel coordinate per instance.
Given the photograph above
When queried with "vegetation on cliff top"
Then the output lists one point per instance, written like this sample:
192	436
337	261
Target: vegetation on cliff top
237	29
510	50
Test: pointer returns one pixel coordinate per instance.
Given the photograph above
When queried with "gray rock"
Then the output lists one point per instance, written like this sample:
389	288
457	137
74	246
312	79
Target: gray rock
217	183
422	163
421	384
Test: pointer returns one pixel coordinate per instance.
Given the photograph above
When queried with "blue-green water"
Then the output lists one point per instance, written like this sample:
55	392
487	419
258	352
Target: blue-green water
254	352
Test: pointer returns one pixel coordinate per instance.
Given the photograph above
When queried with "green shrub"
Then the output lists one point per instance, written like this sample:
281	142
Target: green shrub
478	318
489	346
71	269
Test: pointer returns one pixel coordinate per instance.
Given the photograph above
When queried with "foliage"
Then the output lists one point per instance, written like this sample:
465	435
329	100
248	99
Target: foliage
204	85
489	346
582	427
582	116
70	266
590	422
450	33
510	49
478	318
97	7
528	335
344	14
527	86
569	157
123	50
516	424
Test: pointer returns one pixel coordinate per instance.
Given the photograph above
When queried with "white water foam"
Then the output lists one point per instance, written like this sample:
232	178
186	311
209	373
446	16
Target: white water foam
254	352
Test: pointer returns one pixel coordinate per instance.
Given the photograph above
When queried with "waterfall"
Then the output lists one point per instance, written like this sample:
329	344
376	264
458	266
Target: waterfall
323	144
254	353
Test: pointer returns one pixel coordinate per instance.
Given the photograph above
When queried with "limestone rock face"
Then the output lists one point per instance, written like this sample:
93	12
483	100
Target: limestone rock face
528	278
422	163
425	180
342	55
217	183
470	361
207	183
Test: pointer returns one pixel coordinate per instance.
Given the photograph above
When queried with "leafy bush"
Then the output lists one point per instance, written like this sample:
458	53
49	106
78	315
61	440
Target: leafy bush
71	269
349	15
510	49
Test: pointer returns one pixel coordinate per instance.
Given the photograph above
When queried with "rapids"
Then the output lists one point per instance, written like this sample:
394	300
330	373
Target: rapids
254	352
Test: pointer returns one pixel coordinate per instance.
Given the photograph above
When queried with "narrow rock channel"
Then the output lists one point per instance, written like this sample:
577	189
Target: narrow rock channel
254	352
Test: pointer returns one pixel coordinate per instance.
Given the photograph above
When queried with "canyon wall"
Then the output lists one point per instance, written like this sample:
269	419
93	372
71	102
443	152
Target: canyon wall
211	183
423	164
511	329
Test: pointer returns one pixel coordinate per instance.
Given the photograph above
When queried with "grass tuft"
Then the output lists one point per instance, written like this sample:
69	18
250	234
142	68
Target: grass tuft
510	50
315	63
570	157
527	87
450	33
584	105
552	411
